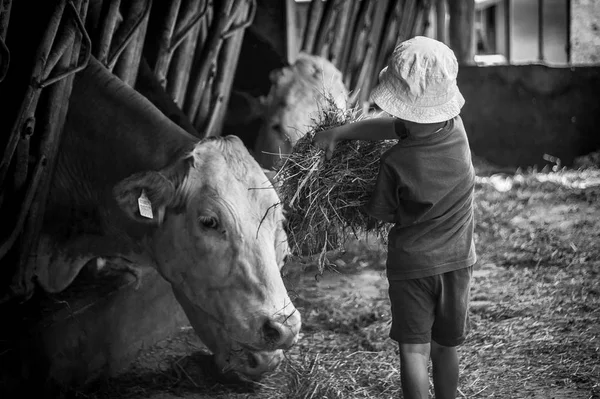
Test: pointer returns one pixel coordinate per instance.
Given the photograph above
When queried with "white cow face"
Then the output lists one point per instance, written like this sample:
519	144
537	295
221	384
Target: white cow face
221	245
297	95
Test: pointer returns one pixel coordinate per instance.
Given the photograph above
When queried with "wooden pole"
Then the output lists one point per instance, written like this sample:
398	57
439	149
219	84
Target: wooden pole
196	62
541	30
224	79
207	58
409	11
5	6
388	40
313	20
32	94
358	47
325	27
508	28
226	24
181	21
462	14
163	58
373	45
343	25
423	22
181	63
52	123
130	36
349	37
440	21
109	15
568	31
291	34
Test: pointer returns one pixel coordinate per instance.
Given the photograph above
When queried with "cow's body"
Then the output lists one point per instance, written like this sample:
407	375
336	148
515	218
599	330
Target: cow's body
216	229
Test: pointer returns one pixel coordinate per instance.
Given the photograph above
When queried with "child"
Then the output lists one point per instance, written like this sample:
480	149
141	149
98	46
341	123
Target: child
425	187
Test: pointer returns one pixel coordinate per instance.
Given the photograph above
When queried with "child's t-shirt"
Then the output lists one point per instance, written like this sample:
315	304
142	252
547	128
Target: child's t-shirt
425	187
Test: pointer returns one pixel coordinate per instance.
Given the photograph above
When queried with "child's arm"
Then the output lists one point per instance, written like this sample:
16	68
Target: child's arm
367	129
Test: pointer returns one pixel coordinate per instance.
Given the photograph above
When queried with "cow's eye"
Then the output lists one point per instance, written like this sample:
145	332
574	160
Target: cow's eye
210	222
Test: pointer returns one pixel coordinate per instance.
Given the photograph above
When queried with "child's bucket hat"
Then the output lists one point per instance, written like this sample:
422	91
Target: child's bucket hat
419	82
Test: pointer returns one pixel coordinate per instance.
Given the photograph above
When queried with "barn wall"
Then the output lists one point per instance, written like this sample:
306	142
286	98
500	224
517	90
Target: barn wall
516	114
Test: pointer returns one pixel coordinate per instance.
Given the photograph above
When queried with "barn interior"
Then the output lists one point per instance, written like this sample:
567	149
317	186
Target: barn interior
206	64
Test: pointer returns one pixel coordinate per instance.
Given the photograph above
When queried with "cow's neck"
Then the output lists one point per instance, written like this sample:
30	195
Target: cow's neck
116	130
111	132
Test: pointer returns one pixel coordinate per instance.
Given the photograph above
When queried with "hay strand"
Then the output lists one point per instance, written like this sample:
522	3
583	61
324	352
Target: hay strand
325	198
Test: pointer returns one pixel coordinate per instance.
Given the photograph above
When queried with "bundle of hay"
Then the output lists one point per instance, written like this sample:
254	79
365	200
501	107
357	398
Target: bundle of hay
325	198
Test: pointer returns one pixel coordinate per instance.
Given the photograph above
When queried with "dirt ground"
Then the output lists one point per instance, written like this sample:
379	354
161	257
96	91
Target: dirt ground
535	314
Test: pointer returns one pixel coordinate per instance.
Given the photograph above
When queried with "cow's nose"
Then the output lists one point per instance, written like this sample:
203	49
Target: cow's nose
282	333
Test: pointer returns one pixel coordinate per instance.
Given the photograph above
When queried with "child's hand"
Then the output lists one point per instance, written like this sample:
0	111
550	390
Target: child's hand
325	140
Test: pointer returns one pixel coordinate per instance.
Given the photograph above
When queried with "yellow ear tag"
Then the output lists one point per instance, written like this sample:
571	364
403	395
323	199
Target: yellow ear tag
145	206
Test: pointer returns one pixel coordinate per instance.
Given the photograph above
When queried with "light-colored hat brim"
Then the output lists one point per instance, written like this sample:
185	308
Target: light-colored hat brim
393	103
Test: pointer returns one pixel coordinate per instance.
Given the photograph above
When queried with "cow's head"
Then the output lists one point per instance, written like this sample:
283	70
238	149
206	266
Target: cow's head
220	241
297	94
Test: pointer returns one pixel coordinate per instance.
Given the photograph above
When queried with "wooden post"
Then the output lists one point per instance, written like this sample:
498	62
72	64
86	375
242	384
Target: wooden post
440	21
341	31
349	39
325	27
313	20
389	40
208	56
423	19
357	47
180	22
32	94
409	13
189	105
199	103
228	59
291	47
51	122
181	63
109	15
5	7
508	28
363	83
568	41
163	58
462	14
541	30
128	63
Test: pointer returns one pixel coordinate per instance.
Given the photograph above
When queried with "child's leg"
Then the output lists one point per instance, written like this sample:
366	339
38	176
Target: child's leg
450	330
413	309
414	359
444	360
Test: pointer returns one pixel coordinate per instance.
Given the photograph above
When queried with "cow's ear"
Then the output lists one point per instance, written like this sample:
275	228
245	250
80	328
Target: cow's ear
145	196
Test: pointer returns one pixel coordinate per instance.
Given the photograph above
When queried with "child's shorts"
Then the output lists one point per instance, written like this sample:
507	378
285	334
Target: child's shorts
431	308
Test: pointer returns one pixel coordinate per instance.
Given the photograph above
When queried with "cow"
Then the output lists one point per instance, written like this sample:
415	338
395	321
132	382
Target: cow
298	93
131	189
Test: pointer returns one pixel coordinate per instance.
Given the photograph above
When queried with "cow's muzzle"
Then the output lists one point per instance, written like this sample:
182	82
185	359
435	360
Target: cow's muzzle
248	363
